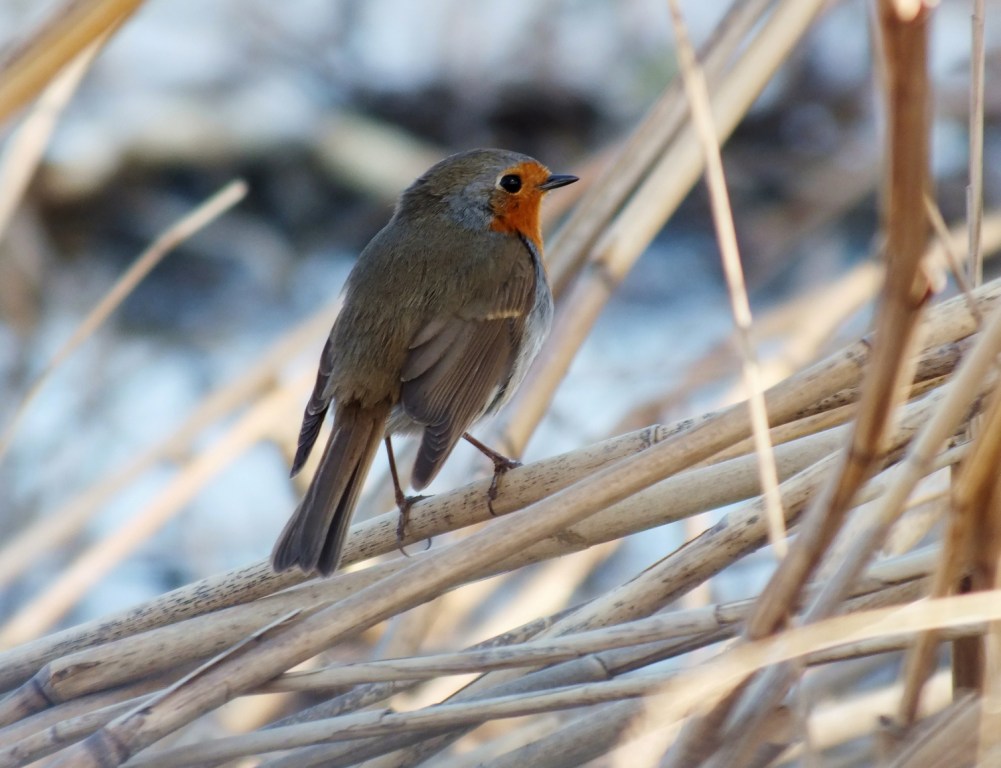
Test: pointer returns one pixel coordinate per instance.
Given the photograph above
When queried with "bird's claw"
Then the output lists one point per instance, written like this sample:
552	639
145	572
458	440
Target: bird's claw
404	503
502	465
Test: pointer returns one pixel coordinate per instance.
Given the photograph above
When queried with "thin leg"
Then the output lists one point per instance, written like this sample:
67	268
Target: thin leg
403	502
501	462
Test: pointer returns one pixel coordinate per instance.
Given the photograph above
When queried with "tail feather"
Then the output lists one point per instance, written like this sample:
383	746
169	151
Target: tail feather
314	537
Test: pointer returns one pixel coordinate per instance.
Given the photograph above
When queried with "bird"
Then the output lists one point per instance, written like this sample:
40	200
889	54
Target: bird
443	312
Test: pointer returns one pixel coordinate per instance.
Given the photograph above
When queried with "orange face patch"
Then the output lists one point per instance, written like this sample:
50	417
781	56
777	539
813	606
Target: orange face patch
518	213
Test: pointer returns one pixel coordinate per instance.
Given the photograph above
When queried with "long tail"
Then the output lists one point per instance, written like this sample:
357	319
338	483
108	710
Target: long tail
315	535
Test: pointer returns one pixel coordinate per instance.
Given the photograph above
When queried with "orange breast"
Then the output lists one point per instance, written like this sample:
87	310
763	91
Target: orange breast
519	213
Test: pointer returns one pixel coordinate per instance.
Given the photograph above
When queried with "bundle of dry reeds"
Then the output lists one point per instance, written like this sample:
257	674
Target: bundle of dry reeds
870	472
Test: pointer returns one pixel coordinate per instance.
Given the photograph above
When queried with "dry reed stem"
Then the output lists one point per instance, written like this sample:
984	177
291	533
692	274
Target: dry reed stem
931	370
739	532
71	710
247	584
691	624
969	533
771	686
283	646
688	567
51	740
413	585
948	320
714	548
905	293
951	255
975	373
250	583
922	515
100	667
568	249
960	324
69	29
623	240
881	585
676	693
609	666
975	190
24	149
726	236
843	721
618	723
986	571
493	752
948	740
209	594
30	739
52	530
183	229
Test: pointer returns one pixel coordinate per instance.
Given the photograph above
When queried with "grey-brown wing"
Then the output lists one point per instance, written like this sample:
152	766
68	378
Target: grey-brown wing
316	408
458	362
451	378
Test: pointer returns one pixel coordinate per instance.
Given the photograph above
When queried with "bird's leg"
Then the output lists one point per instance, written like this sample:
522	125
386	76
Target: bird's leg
501	465
403	502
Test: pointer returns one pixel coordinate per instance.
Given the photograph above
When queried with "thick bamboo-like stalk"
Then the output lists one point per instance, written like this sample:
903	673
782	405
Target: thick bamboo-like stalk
950	739
977	374
905	293
102	691
739	532
675	693
103	666
970	541
946	322
100	667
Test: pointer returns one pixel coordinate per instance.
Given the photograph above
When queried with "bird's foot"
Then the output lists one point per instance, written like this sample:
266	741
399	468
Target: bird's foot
404	503
502	465
501	468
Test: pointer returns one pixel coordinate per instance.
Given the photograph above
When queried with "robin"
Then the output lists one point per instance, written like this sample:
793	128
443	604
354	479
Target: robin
444	311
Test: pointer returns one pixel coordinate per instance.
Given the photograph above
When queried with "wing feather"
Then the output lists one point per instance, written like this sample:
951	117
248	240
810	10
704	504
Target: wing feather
457	363
316	408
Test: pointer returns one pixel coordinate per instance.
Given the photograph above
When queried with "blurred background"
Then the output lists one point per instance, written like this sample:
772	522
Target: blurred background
327	110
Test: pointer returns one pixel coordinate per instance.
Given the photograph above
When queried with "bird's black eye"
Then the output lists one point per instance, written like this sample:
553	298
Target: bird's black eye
510	183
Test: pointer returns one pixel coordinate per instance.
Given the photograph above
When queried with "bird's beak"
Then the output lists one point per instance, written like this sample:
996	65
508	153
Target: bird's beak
557	181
